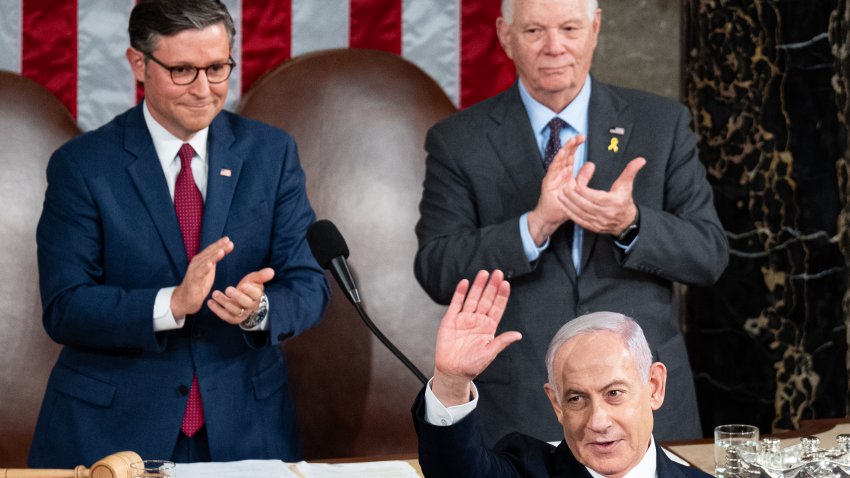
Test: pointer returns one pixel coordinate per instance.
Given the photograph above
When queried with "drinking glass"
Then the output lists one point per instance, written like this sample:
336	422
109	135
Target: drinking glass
152	469
745	437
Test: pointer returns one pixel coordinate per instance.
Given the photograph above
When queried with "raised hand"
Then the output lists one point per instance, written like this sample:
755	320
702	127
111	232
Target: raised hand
466	340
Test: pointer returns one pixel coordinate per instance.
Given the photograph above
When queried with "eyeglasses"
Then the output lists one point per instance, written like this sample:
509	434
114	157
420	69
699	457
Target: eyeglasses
186	74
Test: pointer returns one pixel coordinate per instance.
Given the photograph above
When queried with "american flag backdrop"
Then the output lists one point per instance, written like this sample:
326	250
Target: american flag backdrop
75	48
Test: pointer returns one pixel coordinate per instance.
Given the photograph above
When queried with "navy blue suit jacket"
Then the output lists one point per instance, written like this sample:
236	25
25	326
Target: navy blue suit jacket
459	451
108	241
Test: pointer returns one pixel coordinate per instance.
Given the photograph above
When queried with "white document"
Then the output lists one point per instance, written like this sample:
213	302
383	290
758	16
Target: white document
375	469
235	469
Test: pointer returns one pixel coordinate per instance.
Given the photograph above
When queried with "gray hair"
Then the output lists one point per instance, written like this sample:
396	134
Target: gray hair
625	327
508	10
151	19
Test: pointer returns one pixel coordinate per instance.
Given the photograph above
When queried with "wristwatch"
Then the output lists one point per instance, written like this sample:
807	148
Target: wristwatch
630	233
258	315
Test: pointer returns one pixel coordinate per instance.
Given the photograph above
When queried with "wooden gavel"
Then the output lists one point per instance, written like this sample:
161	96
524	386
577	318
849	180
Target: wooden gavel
116	465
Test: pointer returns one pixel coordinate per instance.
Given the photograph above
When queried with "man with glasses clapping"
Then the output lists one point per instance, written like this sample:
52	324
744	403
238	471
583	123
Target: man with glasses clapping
172	261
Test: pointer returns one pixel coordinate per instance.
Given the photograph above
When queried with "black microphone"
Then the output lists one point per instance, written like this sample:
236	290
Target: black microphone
330	251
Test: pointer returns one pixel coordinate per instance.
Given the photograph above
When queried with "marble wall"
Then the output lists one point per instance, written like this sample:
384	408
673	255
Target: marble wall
767	83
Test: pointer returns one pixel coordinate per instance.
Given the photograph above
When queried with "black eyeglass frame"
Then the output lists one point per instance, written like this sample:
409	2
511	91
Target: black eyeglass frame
230	62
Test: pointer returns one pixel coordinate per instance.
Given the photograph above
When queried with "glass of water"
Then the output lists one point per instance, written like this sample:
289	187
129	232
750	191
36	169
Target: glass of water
745	437
152	469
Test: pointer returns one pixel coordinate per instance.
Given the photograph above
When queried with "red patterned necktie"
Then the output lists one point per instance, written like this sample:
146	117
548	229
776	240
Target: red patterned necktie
190	212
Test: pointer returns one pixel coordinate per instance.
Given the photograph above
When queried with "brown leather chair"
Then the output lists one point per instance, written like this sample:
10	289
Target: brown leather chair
359	118
33	123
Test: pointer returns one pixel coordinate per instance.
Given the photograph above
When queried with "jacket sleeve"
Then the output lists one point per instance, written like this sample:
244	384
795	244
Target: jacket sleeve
299	292
79	306
454	242
683	241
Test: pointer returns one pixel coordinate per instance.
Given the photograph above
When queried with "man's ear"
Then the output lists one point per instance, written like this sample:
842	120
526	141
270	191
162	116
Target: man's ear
137	63
553	399
657	384
504	34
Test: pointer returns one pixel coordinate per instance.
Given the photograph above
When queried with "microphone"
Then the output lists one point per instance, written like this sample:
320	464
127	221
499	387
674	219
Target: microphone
331	252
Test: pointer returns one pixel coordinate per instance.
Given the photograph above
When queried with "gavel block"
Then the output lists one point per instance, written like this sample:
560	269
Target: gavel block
116	465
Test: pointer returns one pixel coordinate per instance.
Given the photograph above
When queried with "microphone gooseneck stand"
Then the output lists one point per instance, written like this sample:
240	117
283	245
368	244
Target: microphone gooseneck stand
407	363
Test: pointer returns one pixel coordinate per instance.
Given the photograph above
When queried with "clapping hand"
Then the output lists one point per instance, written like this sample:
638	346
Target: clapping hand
603	212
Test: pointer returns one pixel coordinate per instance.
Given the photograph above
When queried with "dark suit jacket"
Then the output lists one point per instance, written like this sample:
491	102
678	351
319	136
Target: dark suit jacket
484	171
108	240
459	451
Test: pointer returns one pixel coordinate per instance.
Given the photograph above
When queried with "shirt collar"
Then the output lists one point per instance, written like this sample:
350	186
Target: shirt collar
647	467
575	114
167	145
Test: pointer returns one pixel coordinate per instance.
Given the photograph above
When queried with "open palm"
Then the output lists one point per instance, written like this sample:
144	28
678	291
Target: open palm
466	341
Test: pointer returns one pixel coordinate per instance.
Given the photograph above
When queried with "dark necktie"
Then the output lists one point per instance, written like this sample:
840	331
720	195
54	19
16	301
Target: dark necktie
572	232
190	212
554	143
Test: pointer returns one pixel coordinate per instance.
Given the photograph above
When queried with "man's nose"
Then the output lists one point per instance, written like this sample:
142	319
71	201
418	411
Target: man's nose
600	418
553	43
201	85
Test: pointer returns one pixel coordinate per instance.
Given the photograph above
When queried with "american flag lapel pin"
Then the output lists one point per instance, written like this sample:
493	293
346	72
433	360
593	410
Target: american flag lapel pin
225	172
618	131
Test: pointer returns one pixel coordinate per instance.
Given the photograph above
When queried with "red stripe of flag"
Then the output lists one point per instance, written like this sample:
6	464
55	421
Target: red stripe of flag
484	68
49	44
375	24
266	38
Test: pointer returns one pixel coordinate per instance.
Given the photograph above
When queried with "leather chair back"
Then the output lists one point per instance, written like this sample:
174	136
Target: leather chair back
359	118
33	123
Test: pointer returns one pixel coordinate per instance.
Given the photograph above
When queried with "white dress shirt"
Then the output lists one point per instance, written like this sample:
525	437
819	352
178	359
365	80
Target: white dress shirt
575	115
167	145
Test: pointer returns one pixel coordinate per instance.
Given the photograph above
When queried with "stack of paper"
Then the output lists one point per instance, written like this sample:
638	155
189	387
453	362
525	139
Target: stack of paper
279	469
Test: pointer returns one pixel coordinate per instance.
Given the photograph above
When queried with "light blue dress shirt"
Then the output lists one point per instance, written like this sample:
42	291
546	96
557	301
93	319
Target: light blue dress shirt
575	115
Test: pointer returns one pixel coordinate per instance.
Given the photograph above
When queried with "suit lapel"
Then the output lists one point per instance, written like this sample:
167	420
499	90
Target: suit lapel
565	465
665	467
607	141
146	172
224	170
515	146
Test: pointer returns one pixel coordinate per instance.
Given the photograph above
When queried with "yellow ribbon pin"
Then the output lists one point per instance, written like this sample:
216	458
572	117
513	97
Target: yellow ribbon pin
613	146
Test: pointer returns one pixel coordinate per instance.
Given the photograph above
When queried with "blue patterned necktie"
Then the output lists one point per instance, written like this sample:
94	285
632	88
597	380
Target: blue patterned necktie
554	142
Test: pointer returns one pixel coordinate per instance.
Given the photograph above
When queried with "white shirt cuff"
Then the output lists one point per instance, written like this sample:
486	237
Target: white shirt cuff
627	248
163	319
439	415
532	252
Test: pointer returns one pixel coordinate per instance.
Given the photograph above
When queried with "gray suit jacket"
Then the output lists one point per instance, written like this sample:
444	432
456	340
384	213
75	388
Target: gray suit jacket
484	171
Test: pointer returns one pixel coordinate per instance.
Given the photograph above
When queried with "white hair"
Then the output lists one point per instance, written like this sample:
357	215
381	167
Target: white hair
624	327
508	10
